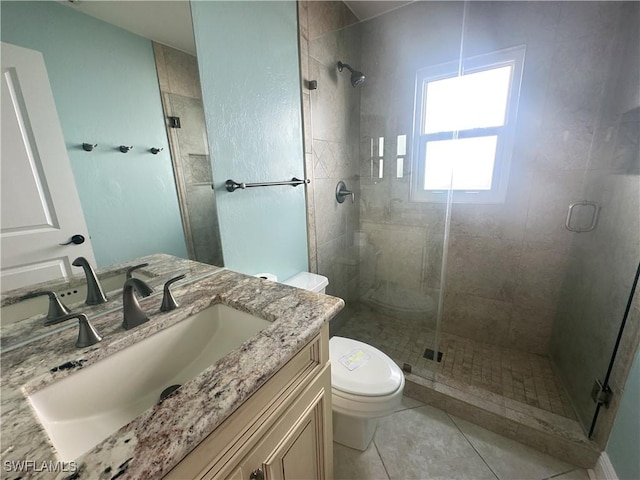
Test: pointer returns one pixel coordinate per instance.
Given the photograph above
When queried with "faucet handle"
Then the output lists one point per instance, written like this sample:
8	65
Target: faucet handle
57	309
87	335
168	301
342	192
130	270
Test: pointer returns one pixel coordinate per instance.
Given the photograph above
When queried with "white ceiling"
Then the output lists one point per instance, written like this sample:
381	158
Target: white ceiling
166	22
365	9
169	22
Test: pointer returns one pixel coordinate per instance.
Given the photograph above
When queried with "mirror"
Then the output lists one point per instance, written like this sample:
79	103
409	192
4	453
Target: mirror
155	198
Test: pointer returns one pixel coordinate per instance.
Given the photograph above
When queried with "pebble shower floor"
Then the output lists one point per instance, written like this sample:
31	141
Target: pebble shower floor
466	364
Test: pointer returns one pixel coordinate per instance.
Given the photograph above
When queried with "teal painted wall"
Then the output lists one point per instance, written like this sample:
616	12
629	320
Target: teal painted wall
249	72
106	92
625	435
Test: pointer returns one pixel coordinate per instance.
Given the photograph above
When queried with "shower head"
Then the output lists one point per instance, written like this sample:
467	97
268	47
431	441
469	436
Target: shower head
356	77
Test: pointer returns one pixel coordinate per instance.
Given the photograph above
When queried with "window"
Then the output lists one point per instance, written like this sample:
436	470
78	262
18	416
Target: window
465	126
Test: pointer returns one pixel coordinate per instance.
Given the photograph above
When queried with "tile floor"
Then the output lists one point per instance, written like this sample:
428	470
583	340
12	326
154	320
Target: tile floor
520	376
419	441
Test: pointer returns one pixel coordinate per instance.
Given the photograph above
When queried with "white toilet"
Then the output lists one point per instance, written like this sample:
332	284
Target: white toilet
365	383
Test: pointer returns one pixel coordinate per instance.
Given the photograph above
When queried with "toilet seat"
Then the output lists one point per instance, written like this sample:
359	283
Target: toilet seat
360	369
364	381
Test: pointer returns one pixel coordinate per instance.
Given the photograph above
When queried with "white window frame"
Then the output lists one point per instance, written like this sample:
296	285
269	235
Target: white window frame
511	56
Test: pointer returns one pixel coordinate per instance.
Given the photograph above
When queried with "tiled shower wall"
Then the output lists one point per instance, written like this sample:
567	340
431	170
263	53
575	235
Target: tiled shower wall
602	263
506	262
182	97
332	128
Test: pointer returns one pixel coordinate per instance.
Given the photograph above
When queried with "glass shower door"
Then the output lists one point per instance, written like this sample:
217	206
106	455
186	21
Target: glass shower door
193	173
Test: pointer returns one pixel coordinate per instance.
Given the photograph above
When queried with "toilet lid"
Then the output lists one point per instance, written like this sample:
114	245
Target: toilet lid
360	369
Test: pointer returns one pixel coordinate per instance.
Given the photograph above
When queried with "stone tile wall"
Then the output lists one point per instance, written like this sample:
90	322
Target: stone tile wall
182	97
601	264
506	262
332	128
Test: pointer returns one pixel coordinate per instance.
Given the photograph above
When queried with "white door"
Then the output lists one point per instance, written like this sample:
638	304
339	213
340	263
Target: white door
39	203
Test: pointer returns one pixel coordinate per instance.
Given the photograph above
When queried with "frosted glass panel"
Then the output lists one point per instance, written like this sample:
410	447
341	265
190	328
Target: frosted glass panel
470	160
476	100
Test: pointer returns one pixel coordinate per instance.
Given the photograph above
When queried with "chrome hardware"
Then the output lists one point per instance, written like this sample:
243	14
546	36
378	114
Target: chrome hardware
232	185
95	295
342	193
57	309
124	148
155	151
88	147
257	474
76	240
130	270
168	301
594	218
133	315
601	395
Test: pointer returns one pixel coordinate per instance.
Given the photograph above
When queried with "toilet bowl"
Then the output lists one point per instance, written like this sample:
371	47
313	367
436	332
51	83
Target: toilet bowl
365	383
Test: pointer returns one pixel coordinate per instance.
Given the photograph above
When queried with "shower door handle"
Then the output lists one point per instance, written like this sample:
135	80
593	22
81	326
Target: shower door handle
594	217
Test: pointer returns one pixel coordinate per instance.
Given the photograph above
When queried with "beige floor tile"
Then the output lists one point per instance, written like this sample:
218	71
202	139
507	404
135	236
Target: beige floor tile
350	464
423	443
409	403
509	459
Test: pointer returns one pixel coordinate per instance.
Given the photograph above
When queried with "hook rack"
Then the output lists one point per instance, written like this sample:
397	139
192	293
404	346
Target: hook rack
232	185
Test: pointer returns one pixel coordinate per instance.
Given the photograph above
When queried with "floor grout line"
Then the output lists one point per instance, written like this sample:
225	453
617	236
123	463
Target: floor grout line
472	446
381	460
561	473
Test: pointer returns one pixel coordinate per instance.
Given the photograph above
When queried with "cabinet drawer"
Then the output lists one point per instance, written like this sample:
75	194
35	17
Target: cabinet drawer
218	454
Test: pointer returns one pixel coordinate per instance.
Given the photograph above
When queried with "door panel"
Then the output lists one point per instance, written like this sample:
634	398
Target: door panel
40	207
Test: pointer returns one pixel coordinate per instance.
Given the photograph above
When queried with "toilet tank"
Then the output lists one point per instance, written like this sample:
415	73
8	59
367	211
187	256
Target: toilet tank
308	281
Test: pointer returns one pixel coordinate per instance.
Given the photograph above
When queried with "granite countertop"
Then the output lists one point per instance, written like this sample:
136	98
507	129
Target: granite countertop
153	443
160	268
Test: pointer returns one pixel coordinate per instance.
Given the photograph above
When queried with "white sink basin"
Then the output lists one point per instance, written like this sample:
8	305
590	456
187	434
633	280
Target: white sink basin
83	409
69	296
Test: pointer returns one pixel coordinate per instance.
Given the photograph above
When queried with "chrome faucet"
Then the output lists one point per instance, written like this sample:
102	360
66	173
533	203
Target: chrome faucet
95	295
132	312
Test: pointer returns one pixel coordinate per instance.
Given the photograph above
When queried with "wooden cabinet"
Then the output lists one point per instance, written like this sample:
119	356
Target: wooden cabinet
282	432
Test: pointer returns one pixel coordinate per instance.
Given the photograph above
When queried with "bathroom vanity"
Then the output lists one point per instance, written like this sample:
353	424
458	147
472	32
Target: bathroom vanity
282	432
261	407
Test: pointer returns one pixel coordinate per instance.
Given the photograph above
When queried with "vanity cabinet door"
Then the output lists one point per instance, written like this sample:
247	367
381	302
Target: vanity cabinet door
284	431
297	447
